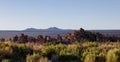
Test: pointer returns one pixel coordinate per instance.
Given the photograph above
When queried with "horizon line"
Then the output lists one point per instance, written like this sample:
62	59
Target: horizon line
54	27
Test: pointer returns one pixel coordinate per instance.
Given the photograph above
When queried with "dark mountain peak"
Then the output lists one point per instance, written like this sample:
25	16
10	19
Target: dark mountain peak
53	28
31	29
49	29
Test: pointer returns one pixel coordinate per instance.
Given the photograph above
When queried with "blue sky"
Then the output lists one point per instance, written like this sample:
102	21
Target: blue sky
66	14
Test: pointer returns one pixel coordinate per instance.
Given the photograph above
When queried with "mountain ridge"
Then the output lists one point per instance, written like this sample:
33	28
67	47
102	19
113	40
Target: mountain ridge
49	31
56	29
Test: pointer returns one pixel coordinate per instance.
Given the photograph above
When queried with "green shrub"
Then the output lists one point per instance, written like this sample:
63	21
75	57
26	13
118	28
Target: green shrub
90	44
8	50
48	50
90	50
113	55
59	47
83	51
6	60
20	52
43	59
33	58
72	52
90	58
101	57
93	57
75	49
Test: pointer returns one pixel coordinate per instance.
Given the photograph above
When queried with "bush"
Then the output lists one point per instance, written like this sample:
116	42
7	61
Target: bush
113	55
43	59
70	53
90	58
75	49
101	57
33	58
6	60
93	57
46	50
8	50
59	47
90	50
90	44
20	51
76	52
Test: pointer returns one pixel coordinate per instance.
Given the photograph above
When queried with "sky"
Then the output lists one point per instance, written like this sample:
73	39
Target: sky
65	14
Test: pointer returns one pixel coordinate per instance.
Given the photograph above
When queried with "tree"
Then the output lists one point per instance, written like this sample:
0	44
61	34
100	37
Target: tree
23	38
15	39
40	38
59	38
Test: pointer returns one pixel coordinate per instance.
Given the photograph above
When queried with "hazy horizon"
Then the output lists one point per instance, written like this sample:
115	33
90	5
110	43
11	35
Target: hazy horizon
51	27
64	14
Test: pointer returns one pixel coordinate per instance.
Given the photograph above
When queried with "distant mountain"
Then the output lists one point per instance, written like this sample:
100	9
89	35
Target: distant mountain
52	31
30	29
49	29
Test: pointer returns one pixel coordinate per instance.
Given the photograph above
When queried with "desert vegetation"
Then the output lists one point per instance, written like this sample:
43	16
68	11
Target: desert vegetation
79	46
50	52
